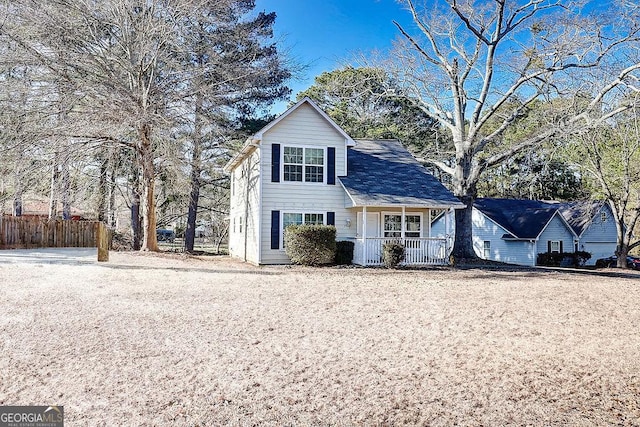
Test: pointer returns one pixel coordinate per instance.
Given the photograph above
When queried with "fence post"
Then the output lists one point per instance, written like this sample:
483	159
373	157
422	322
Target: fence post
102	243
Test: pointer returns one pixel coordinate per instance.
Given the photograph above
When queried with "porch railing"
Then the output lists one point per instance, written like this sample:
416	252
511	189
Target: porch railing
418	251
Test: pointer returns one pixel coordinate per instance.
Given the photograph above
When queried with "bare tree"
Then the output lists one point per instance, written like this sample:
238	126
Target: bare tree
610	156
477	66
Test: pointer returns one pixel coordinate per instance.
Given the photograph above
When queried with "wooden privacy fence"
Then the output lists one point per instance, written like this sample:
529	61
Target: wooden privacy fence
33	232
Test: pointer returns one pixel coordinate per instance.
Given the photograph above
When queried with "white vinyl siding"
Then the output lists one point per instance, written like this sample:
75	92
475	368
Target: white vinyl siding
600	238
556	231
513	252
303	128
244	209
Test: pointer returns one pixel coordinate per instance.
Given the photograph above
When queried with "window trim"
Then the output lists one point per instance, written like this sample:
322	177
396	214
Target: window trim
551	243
303	213
304	165
406	213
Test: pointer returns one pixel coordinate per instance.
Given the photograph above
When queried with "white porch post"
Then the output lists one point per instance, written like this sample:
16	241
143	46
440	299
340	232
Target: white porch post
364	234
429	223
446	231
402	224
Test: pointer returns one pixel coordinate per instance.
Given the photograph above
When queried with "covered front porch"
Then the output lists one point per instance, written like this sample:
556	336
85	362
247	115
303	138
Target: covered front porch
408	226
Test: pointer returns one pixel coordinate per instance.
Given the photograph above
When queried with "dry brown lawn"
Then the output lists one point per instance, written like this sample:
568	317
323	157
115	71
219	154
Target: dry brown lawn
165	340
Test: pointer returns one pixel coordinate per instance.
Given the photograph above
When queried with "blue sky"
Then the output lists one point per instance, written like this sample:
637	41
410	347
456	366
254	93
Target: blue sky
324	34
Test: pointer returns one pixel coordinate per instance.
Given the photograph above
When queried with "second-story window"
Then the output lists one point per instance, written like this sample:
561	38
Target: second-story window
303	164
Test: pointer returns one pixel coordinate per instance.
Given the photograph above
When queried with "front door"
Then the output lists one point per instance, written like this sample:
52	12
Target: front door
372	241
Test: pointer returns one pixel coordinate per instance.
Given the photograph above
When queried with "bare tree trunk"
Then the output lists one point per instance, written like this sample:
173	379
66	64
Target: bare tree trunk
149	239
102	185
113	175
196	171
17	196
466	191
136	220
53	195
65	186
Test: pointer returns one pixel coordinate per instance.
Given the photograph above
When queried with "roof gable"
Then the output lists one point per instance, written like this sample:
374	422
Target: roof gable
308	101
579	215
256	139
524	219
384	173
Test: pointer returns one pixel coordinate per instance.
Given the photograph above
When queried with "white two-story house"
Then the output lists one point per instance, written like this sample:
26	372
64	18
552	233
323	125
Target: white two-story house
302	168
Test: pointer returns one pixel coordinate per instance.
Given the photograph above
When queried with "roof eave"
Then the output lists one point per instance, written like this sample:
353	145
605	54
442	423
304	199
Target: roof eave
250	145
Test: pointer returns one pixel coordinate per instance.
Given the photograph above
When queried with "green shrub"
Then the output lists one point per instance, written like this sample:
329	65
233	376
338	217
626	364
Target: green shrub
344	252
567	259
392	254
310	244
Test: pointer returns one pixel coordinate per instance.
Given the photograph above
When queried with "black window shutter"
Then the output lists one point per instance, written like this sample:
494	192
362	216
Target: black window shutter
275	163
549	246
275	229
331	218
331	166
561	250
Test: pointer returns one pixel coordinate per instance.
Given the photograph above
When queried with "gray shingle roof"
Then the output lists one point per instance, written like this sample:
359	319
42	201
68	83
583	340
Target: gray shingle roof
579	214
525	219
384	173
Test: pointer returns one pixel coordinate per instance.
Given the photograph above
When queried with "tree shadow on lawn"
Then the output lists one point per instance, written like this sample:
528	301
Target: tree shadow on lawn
541	271
257	271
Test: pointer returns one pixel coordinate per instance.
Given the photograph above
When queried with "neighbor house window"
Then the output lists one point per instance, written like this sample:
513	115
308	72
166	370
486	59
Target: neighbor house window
240	224
487	249
603	216
291	218
393	225
555	246
303	164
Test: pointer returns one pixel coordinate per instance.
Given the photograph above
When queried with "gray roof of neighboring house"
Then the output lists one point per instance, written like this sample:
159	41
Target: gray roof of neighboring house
579	214
524	219
384	173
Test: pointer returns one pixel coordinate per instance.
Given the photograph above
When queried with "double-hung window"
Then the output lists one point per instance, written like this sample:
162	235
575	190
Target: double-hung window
487	249
303	164
291	218
393	225
554	246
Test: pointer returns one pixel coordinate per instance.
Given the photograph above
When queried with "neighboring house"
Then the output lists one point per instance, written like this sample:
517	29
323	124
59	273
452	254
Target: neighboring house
38	207
302	168
516	231
595	227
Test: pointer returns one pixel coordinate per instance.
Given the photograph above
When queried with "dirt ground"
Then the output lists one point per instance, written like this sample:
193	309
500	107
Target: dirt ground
168	340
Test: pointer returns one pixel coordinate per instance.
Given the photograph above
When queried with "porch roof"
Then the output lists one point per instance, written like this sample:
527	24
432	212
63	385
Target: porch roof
384	173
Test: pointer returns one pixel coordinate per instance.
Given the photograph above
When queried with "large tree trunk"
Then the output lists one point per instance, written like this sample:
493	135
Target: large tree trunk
465	190
136	220
102	185
190	232
196	171
463	241
149	239
113	175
